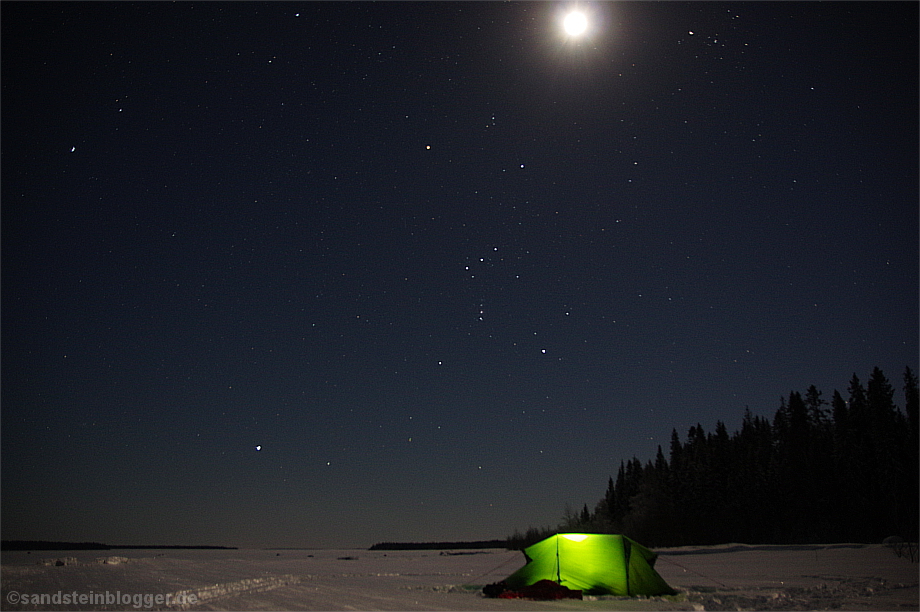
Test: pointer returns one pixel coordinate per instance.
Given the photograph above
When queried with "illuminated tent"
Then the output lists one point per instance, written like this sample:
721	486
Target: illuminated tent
597	564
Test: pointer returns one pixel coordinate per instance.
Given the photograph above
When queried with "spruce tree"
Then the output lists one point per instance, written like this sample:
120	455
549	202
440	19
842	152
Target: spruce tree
912	402
911	492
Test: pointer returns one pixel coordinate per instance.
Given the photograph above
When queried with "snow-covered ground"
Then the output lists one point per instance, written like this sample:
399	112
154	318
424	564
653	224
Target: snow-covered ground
848	577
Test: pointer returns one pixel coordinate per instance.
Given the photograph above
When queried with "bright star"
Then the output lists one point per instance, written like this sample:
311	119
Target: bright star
575	23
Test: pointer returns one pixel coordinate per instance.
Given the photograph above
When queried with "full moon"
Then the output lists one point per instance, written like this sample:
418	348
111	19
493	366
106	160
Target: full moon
575	23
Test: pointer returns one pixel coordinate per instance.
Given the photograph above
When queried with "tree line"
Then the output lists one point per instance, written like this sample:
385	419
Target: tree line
438	545
844	470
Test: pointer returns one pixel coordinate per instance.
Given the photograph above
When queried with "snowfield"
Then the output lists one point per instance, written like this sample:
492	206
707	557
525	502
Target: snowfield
727	577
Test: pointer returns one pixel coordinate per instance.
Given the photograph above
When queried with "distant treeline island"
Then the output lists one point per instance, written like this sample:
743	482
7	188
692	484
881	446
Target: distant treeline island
47	545
439	545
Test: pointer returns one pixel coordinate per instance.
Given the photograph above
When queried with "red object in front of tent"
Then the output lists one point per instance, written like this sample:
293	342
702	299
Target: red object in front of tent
542	590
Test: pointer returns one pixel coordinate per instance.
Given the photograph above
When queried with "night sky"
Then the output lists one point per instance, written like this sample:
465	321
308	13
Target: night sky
332	274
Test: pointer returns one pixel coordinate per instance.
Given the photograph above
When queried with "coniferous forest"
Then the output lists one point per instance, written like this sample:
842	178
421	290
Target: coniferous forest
837	470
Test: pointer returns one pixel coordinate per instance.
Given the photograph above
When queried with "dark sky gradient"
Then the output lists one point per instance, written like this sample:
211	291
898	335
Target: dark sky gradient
445	266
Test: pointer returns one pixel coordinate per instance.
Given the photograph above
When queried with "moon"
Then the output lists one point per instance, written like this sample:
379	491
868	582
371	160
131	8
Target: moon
575	23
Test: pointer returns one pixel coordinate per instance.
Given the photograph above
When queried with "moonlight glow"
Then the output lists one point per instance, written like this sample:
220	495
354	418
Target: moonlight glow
575	23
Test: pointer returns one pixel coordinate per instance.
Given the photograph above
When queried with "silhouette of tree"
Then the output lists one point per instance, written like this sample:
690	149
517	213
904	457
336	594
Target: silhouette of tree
911	486
912	402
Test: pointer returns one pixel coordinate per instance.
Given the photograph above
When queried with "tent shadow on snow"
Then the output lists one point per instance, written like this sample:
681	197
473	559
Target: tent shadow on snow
594	564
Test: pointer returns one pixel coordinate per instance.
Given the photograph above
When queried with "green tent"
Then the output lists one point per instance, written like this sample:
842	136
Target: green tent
597	564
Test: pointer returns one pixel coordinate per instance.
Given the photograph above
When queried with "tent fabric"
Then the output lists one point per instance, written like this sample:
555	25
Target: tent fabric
597	564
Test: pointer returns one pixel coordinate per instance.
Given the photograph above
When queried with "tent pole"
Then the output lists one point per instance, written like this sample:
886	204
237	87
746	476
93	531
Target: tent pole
558	568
